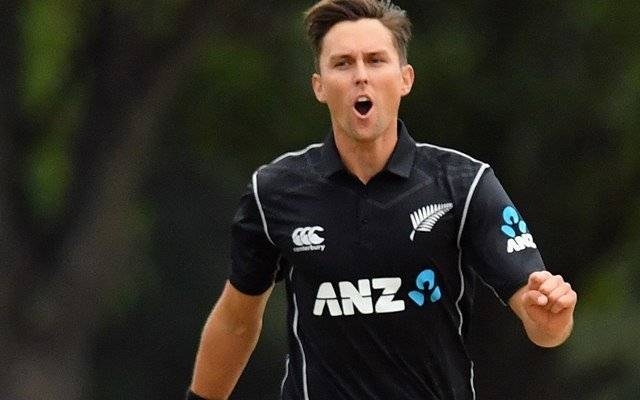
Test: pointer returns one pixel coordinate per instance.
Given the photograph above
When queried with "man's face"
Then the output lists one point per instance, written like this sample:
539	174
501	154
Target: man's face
361	79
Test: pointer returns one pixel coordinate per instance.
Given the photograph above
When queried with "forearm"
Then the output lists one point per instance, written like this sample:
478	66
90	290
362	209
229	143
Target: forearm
544	338
222	355
228	339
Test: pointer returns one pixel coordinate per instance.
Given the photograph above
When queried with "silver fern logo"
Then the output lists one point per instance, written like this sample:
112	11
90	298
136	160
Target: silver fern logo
423	219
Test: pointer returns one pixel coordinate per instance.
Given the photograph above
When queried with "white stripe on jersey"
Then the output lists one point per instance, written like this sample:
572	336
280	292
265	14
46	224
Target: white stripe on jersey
433	146
297	153
472	189
305	389
254	180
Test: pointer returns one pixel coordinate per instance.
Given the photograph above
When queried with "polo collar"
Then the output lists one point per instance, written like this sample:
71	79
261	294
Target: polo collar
400	162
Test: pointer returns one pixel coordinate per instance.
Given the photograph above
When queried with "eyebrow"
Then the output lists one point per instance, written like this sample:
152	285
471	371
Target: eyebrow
340	56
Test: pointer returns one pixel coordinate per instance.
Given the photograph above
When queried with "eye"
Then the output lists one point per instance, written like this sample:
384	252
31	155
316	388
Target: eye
376	60
341	64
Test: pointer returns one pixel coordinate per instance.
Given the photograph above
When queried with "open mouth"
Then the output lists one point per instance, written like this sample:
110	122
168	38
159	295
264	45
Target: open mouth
363	105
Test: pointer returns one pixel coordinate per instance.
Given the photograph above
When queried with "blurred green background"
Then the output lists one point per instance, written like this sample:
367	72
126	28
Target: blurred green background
128	131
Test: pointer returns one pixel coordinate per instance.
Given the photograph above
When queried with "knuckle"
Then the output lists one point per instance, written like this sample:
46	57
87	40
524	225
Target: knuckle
554	295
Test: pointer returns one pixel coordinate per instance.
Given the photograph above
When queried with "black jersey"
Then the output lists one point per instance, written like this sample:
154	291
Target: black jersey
380	276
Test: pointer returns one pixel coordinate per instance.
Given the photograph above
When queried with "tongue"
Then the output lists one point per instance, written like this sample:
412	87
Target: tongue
363	107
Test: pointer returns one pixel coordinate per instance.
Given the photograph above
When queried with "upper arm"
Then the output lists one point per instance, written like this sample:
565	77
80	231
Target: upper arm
497	241
255	260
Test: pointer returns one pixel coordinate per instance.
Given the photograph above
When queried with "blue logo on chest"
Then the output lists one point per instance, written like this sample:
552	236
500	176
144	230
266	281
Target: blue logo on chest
418	296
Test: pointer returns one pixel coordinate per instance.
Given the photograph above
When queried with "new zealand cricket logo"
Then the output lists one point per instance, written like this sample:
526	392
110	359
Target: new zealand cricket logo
426	217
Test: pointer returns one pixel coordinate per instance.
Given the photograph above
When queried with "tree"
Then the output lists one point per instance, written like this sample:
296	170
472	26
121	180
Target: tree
78	133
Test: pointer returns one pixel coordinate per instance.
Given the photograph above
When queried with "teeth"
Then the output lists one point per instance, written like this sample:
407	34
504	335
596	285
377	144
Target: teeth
363	98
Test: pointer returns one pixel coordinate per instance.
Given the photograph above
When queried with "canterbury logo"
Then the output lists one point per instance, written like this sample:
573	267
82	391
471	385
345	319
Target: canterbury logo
307	238
426	217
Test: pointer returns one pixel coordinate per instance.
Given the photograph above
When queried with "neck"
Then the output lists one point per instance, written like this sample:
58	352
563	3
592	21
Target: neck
365	159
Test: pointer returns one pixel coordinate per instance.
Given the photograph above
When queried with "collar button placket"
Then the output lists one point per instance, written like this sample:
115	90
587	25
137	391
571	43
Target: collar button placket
363	215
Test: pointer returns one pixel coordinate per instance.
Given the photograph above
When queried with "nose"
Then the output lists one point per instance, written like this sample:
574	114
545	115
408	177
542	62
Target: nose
360	73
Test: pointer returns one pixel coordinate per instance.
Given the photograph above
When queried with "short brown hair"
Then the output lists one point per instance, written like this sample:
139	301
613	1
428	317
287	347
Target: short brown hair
322	16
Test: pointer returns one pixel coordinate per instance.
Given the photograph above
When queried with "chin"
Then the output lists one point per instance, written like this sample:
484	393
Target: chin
370	129
366	134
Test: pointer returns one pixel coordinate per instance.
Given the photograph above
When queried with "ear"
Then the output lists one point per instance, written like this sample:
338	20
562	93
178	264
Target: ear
318	88
408	76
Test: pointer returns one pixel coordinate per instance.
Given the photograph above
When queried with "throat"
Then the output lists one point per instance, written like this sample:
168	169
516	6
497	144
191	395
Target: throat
365	160
365	152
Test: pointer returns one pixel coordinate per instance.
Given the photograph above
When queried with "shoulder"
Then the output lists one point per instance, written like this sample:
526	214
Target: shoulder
298	156
447	161
445	155
288	168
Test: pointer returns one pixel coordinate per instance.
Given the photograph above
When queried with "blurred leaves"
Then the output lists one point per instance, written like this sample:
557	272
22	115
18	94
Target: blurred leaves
608	315
51	33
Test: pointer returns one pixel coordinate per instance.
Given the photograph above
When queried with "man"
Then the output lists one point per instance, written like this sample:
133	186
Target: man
378	238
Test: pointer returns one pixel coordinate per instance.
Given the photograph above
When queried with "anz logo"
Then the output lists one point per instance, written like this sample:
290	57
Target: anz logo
373	296
516	230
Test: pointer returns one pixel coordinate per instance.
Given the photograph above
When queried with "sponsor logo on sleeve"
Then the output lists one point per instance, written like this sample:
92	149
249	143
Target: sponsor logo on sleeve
516	231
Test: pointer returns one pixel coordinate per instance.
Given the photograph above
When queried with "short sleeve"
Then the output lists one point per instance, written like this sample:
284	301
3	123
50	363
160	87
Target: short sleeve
254	259
496	241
